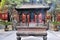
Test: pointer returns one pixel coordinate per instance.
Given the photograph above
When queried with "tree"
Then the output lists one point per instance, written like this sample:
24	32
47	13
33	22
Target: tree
52	10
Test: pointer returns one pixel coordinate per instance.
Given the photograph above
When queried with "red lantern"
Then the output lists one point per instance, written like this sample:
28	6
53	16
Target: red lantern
58	18
48	17
28	17
0	15
5	16
23	18
35	19
40	18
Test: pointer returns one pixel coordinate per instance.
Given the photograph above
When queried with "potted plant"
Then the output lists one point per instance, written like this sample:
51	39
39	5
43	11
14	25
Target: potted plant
55	24
6	25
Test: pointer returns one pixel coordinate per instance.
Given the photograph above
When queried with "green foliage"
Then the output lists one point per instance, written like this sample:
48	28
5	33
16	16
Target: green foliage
15	1
5	23
55	23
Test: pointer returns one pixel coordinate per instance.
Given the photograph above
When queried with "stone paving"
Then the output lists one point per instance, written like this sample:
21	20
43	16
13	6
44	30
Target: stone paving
52	35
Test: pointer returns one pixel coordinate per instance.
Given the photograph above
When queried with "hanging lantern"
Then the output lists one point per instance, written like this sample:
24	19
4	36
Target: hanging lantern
48	16
4	16
35	19
23	18
0	15
28	17
58	17
40	18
